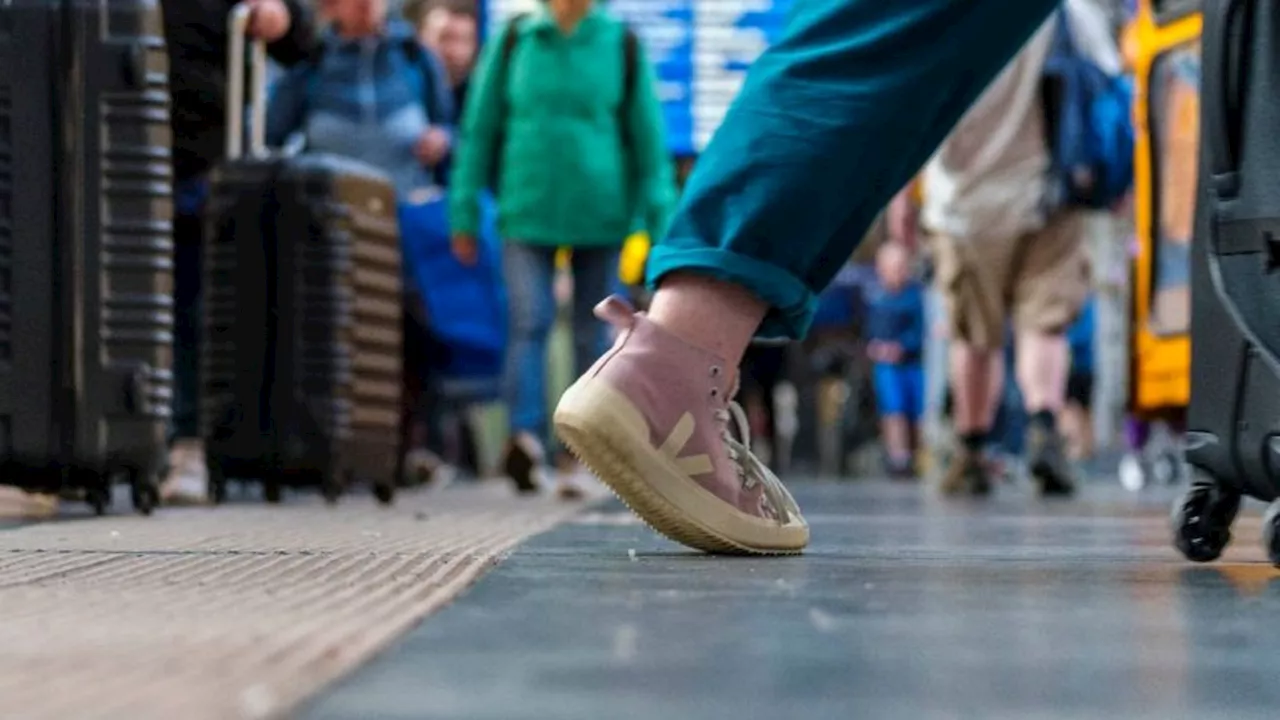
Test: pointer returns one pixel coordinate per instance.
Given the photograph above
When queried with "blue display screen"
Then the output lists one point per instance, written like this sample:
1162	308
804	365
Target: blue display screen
700	51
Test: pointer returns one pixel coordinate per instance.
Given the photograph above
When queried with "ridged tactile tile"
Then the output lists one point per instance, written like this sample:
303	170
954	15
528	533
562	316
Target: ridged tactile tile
234	612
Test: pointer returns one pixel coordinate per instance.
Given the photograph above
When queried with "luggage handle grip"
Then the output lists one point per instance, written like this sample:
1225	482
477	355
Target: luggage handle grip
1217	131
238	30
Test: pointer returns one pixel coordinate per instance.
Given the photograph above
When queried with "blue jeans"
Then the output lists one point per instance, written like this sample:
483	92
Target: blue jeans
188	249
530	271
832	120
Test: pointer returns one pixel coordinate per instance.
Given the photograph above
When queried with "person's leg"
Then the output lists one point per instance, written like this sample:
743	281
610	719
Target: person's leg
1051	286
186	349
896	434
914	375
971	275
831	122
595	275
1077	425
977	379
751	394
1044	357
187	480
769	367
529	272
1070	422
892	399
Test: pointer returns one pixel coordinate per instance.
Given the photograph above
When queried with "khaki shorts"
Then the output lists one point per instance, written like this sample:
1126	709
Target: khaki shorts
1039	281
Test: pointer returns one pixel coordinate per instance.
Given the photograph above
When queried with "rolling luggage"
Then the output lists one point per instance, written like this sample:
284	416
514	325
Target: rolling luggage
1233	423
301	354
86	248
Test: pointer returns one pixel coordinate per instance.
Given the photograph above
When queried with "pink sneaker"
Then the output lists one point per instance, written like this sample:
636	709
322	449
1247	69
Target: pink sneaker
653	418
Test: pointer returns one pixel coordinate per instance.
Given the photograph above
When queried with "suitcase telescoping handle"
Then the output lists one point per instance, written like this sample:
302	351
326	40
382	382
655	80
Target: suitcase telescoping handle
1220	53
238	29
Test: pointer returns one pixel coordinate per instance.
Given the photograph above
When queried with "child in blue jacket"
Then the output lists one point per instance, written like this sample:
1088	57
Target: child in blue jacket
895	334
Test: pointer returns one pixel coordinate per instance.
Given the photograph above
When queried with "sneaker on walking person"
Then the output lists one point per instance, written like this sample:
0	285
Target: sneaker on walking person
654	418
187	482
1046	451
524	462
968	472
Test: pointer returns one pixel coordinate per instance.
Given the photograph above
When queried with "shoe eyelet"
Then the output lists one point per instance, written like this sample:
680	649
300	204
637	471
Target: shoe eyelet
715	371
715	393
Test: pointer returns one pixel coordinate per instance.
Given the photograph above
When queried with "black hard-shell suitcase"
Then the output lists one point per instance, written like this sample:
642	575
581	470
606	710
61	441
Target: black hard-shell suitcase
301	358
86	247
1233	423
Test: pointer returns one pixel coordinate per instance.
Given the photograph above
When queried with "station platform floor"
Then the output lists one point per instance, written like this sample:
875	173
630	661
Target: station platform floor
470	604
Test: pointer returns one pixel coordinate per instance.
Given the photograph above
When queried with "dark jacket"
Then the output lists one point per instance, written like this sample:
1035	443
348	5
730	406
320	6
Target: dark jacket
196	32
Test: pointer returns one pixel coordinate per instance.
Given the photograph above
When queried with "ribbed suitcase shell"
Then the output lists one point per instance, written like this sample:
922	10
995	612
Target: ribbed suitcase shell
301	361
1233	420
86	246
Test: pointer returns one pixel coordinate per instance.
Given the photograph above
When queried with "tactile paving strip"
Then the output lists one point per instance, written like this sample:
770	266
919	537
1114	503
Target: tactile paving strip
238	612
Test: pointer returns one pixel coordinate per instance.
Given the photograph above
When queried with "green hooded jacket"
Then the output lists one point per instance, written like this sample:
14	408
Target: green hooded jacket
573	167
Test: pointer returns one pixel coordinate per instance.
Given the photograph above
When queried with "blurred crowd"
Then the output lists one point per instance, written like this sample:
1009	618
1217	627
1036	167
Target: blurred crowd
533	173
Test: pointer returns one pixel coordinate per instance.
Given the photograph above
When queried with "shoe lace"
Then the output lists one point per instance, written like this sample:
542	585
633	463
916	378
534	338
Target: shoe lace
751	471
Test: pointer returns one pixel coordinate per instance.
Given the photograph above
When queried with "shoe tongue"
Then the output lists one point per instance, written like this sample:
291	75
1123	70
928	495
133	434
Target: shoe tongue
617	312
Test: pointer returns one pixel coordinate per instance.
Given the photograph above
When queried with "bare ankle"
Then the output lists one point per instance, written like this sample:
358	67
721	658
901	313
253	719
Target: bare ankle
714	315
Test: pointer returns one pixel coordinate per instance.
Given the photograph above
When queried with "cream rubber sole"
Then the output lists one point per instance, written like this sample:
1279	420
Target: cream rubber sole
609	435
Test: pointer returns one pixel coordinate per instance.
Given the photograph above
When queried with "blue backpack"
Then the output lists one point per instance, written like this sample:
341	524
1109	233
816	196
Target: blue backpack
1087	121
466	306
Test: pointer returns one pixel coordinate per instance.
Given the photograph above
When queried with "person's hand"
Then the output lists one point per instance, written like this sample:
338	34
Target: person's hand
874	350
432	147
891	352
465	249
269	20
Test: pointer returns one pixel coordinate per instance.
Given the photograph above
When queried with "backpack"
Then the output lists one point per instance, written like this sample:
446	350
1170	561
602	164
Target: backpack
1087	124
466	305
511	38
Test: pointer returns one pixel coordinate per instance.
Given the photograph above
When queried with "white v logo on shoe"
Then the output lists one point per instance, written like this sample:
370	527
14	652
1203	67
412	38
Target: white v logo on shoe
694	464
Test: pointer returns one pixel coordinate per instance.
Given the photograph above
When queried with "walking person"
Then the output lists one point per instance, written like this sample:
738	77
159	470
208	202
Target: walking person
451	28
1000	258
197	39
563	123
895	334
832	120
370	92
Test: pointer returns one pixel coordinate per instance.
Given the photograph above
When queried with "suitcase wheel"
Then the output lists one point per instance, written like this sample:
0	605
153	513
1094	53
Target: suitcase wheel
384	492
217	483
1271	533
1202	519
145	495
271	488
331	487
144	487
98	498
